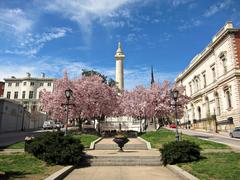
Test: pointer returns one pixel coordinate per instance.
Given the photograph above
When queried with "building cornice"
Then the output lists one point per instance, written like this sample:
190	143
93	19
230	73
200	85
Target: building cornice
29	79
200	57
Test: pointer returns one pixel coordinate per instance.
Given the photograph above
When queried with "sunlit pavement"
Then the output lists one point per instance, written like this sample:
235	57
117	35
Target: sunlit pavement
123	173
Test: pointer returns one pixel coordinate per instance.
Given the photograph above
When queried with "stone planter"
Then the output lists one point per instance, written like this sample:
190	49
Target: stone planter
120	141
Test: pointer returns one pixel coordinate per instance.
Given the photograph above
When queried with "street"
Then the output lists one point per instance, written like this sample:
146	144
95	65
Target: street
233	142
13	137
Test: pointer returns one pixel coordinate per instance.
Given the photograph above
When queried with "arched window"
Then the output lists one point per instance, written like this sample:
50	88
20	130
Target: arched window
217	103
199	112
223	58
229	101
207	106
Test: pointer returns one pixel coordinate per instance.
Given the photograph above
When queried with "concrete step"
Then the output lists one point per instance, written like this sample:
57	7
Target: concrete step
126	147
125	161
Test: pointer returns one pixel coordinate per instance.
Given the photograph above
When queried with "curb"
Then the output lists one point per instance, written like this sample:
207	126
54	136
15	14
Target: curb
62	173
92	146
179	171
148	143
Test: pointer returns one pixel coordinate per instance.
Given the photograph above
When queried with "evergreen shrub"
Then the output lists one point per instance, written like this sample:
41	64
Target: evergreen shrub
55	148
180	151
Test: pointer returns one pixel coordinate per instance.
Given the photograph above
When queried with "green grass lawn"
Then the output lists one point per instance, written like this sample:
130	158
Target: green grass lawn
17	145
25	166
158	138
86	139
215	166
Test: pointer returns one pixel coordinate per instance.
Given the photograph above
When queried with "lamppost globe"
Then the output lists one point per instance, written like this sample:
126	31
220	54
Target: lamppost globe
68	93
175	94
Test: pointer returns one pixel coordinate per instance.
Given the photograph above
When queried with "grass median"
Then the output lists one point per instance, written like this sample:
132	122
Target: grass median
163	136
86	139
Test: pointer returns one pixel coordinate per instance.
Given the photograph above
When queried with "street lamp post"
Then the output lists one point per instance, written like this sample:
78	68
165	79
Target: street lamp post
68	94
175	97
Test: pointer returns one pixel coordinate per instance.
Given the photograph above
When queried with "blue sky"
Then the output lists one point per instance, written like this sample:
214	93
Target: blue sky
50	36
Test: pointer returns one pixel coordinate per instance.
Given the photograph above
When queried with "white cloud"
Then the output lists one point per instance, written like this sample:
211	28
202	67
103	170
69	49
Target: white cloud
85	12
224	4
176	3
189	24
14	20
32	44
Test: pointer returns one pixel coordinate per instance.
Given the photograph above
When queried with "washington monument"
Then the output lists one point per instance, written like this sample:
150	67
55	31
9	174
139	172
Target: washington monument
119	56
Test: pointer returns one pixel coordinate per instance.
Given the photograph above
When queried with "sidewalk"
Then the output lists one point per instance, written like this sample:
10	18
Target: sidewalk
123	173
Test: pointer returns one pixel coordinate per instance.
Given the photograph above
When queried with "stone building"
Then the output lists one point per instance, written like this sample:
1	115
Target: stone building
212	80
27	91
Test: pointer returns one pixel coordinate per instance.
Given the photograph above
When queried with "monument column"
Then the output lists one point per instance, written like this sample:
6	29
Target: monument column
119	56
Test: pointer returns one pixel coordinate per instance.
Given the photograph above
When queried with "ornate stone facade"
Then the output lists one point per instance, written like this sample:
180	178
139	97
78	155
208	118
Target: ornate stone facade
212	80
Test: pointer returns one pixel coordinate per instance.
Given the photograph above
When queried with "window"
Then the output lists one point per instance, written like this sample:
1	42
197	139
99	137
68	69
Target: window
9	84
23	94
41	84
190	87
204	80
15	95
213	73
34	108
17	84
49	84
229	101
224	61
8	94
30	94
24	83
222	56
31	83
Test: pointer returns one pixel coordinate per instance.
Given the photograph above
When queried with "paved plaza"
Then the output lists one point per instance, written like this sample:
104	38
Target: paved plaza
123	173
134	164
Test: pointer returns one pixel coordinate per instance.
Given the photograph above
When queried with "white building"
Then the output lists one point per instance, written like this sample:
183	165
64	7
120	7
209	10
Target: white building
27	90
212	80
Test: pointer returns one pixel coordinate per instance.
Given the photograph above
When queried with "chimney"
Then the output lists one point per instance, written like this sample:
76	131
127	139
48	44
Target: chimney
42	75
28	74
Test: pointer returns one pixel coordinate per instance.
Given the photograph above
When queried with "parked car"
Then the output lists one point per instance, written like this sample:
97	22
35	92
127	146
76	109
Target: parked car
172	126
59	125
235	133
49	124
